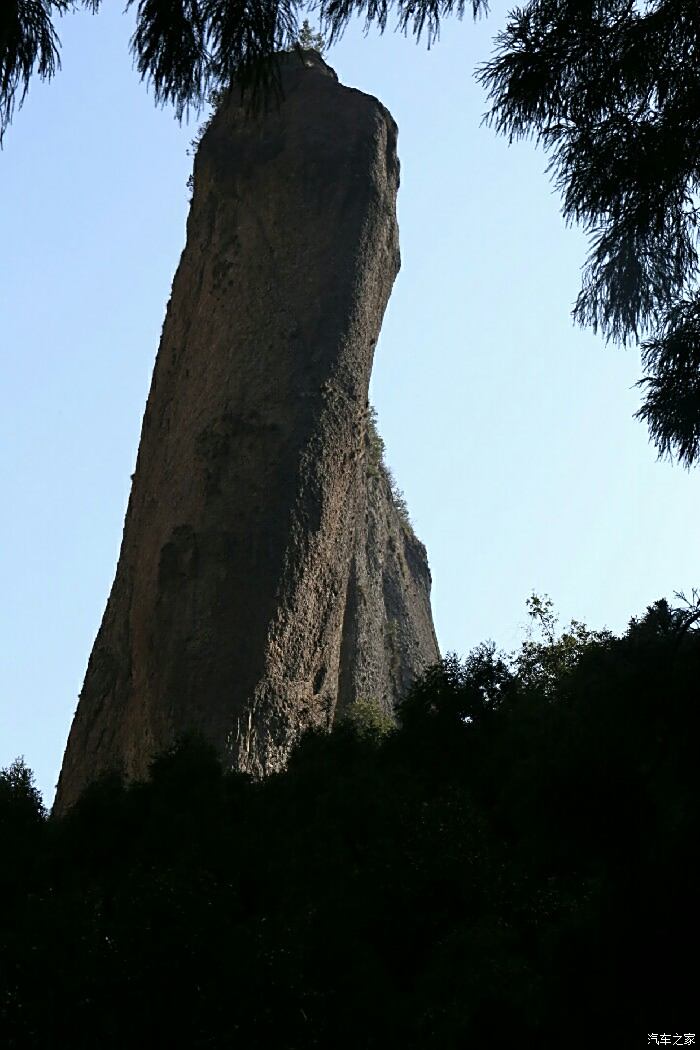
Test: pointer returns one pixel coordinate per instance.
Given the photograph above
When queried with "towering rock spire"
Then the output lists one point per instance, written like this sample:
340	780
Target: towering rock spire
266	577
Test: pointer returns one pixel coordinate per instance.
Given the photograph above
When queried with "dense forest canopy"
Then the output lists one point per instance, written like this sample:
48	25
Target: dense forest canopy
516	859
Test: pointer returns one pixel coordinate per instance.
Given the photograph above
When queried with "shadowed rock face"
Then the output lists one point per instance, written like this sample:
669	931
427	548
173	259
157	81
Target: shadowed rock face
266	578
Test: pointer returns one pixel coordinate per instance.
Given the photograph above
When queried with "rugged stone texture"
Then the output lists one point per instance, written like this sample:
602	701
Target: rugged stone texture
266	578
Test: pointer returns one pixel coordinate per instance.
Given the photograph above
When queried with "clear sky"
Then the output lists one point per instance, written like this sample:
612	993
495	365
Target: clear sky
509	430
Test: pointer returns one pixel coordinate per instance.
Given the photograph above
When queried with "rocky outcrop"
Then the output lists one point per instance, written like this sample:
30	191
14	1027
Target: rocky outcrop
266	577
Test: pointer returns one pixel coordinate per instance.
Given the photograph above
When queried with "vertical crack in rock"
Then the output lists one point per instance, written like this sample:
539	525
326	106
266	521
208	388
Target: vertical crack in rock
265	578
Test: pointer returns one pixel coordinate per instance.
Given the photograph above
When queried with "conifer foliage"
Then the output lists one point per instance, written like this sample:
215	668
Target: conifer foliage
611	89
28	44
187	49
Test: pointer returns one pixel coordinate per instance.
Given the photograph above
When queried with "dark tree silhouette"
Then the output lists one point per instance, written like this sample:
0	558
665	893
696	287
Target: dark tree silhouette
187	49
184	49
516	859
28	44
611	89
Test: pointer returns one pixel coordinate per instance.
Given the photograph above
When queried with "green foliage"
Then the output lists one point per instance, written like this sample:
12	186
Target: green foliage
548	661
612	92
376	467
367	718
518	857
375	444
671	407
19	793
398	498
308	39
214	100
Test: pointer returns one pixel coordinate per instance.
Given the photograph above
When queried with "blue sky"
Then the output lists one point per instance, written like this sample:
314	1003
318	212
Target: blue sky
509	430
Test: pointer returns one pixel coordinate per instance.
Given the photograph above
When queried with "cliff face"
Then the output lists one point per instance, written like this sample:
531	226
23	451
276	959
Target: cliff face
265	577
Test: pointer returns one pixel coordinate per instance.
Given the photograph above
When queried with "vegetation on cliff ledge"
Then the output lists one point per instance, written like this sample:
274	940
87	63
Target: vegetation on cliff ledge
514	861
377	468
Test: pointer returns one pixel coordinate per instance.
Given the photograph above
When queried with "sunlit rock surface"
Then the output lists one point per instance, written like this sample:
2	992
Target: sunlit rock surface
266	578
